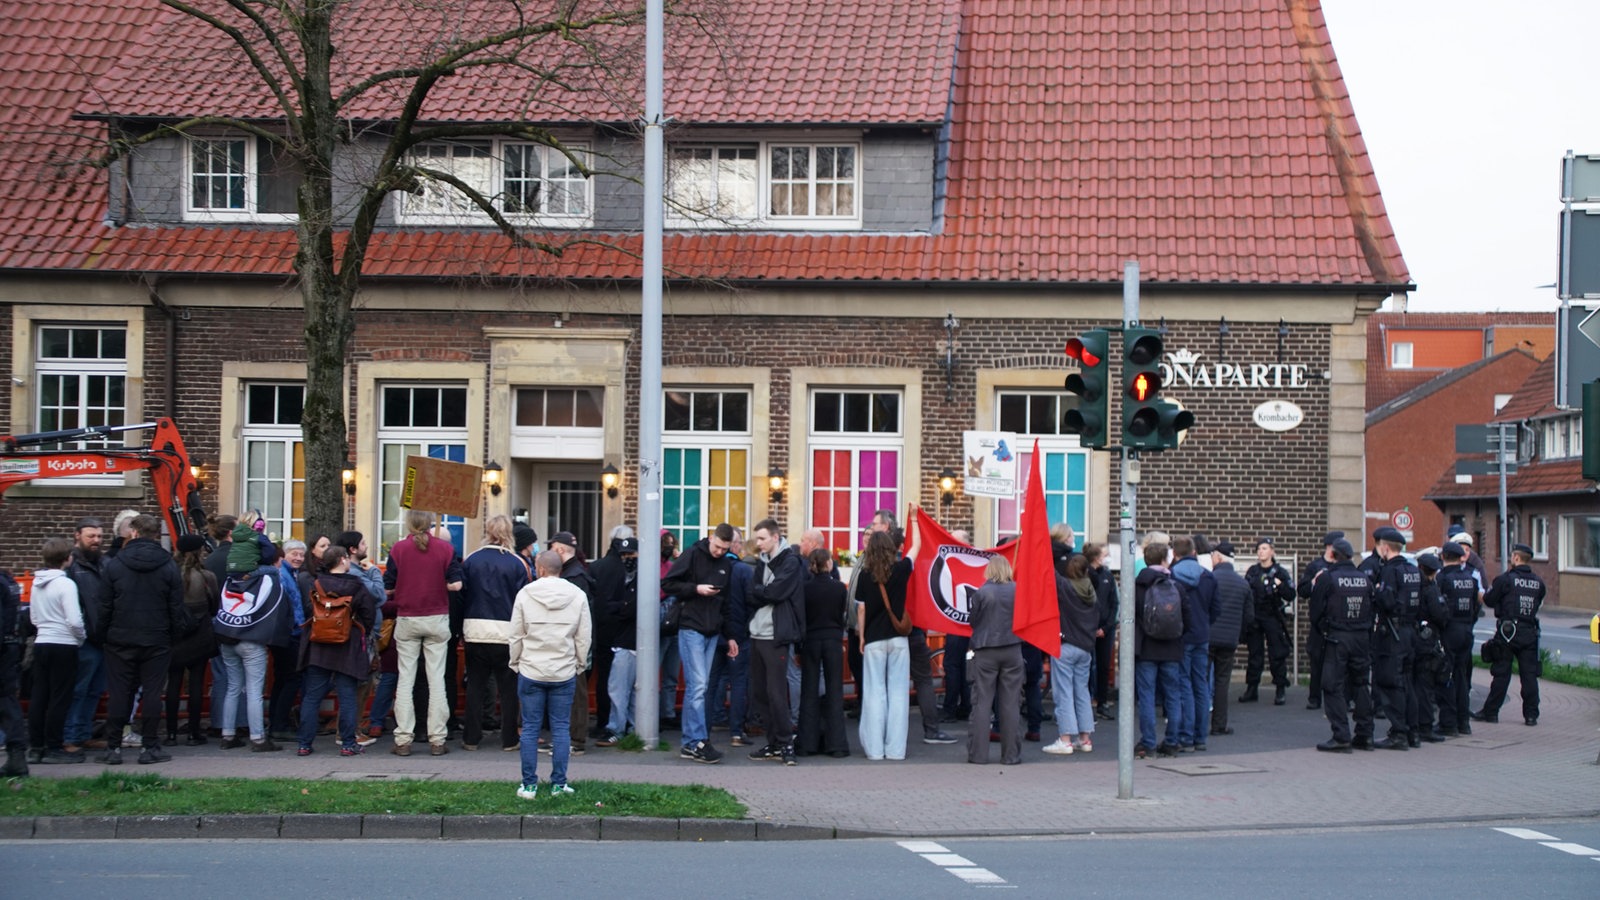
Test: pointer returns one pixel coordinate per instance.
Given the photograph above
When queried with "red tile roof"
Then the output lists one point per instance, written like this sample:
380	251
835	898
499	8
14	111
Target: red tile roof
1540	480
1385	383
1536	395
1213	140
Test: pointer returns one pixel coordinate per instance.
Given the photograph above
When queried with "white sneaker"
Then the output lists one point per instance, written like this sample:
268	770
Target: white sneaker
526	792
1061	747
560	790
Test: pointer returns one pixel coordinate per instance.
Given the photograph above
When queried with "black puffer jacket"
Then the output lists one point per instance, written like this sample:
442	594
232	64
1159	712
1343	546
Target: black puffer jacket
1236	607
145	605
90	577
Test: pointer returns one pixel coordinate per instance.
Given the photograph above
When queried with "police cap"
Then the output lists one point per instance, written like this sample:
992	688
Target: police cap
1387	533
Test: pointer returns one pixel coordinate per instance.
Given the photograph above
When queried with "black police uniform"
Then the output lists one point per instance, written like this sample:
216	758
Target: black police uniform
1515	598
1313	637
1342	612
1267	638
1429	666
1458	590
1399	588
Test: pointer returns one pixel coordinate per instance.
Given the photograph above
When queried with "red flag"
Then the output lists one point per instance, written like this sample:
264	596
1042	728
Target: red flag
1036	618
946	571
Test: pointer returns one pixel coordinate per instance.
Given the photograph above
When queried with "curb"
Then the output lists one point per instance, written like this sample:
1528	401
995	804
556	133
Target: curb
312	826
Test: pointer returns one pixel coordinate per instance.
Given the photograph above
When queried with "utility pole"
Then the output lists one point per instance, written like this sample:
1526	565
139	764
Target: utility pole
648	629
1126	705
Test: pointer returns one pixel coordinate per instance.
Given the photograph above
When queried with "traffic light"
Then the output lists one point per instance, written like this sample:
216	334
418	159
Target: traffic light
1591	431
1091	383
1148	422
1141	382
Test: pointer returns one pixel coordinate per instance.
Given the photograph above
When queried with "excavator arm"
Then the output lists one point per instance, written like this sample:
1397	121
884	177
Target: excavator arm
164	458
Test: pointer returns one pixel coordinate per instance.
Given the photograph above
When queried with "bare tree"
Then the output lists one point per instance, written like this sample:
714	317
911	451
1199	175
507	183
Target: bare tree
327	81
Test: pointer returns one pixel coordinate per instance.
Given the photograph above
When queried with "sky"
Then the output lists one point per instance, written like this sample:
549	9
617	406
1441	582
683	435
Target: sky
1467	108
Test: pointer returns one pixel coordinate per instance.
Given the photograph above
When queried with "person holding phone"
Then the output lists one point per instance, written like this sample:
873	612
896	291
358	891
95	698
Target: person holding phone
697	582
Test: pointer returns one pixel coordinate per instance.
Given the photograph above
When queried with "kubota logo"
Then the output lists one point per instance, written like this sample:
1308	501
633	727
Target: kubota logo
70	466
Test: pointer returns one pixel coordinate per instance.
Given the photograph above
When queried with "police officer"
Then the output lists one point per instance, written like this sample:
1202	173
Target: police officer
1459	592
1515	597
1342	612
1273	588
1399	588
1314	637
1429	664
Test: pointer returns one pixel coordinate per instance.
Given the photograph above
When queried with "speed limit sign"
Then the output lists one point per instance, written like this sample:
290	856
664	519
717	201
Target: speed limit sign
1401	519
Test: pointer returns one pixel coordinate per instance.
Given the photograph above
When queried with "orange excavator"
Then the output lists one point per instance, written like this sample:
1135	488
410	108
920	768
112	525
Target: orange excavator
164	458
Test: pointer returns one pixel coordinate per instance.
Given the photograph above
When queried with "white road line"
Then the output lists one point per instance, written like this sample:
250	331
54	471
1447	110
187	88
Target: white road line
1574	849
954	863
1526	834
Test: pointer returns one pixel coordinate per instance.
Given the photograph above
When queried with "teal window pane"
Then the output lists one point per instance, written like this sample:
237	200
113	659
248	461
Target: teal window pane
673	468
1054	472
1077	515
1052	508
671	505
1077	471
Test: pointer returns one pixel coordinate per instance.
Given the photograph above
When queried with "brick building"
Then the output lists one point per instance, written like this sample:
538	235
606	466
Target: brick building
1550	506
1408	349
1411	439
987	168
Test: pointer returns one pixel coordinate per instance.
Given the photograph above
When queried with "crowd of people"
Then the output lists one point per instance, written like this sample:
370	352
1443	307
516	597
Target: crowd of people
759	635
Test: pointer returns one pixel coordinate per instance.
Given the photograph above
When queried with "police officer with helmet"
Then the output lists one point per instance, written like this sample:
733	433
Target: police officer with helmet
1459	592
1342	612
1398	590
1515	597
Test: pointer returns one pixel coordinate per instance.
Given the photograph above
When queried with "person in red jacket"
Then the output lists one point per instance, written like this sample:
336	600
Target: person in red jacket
423	570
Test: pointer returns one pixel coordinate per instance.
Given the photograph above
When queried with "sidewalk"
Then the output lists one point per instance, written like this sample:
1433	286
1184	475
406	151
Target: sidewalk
1265	775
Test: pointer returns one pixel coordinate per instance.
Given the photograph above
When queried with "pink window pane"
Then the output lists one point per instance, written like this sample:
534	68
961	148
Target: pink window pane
1010	509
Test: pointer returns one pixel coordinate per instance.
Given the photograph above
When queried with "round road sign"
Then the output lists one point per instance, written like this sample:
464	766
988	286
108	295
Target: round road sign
1401	519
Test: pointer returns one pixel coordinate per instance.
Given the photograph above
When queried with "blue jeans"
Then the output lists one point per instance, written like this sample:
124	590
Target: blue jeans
695	651
731	677
1069	684
316	684
886	698
247	674
383	698
1171	676
86	693
538	697
219	693
1197	707
794	689
619	686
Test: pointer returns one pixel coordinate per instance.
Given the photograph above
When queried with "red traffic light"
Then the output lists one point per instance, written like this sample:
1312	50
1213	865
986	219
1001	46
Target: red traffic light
1144	386
1081	352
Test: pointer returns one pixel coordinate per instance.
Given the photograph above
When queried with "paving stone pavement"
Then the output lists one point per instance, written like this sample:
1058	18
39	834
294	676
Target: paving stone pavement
1266	775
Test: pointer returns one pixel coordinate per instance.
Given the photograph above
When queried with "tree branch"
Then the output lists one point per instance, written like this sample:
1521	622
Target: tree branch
268	77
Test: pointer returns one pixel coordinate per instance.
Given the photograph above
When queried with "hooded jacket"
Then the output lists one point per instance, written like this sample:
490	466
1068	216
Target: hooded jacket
778	595
351	657
616	599
53	607
1079	608
550	631
696	566
1148	649
1200	596
491	577
144	606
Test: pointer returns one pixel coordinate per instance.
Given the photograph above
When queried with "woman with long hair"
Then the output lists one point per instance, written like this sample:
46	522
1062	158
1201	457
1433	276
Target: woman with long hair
422	572
1069	675
996	669
885	681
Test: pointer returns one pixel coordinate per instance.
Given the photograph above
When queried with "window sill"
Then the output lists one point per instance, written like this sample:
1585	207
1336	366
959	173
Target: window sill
95	492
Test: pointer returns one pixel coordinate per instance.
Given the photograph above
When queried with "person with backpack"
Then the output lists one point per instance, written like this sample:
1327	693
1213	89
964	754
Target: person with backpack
339	604
1159	619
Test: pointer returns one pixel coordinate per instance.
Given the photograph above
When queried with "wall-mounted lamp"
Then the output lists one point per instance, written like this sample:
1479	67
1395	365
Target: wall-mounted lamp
775	477
491	476
947	486
197	471
609	479
349	478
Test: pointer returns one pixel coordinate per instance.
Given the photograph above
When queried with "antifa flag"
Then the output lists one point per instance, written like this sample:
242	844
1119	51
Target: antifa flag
947	571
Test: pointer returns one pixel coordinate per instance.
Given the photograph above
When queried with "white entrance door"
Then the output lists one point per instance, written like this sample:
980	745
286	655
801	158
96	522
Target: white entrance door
567	498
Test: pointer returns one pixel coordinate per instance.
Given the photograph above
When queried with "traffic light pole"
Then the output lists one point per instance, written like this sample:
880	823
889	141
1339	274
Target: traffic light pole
1127	708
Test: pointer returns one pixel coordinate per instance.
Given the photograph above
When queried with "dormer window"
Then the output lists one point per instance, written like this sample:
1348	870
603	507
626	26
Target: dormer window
528	183
234	178
783	185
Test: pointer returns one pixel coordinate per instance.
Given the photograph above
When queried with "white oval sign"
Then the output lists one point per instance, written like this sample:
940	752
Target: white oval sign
1278	415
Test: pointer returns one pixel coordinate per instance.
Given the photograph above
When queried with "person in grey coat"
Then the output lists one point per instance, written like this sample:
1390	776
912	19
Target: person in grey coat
1236	611
996	668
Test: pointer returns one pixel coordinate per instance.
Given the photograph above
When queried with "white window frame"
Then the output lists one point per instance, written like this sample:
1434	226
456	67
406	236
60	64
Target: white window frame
1402	355
82	369
1568	545
289	438
708	441
415	435
250	176
1539	536
855	442
1049	442
464	212
681	216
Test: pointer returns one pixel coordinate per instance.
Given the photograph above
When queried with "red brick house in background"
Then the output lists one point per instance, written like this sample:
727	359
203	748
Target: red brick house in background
1550	506
1408	349
986	163
1411	438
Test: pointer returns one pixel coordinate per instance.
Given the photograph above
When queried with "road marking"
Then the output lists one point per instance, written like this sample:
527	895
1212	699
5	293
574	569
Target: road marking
1574	849
954	863
1526	834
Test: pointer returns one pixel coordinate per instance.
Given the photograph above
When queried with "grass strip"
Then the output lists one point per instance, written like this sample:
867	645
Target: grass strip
149	794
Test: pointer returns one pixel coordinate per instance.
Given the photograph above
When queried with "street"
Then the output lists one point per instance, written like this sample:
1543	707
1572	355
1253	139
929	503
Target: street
1556	859
1565	634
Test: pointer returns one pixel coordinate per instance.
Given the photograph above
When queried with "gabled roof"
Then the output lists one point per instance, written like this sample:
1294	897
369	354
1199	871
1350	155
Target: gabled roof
1423	391
1385	383
1212	140
1536	396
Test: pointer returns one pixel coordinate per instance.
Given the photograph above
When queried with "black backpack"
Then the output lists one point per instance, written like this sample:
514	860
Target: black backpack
1163	609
